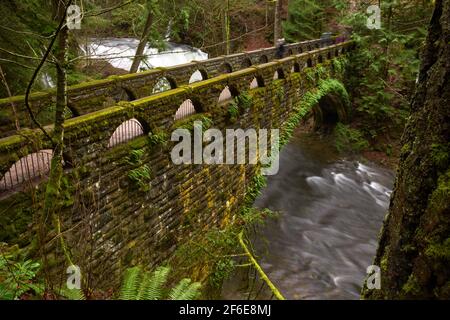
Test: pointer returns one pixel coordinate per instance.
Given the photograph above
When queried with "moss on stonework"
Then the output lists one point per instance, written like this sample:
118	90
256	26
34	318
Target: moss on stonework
188	123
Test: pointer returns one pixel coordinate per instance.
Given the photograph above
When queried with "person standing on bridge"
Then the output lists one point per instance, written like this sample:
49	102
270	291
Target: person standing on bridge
281	49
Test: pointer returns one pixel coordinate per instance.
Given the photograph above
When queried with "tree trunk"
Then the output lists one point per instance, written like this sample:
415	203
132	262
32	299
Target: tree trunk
414	247
52	193
227	28
142	43
277	34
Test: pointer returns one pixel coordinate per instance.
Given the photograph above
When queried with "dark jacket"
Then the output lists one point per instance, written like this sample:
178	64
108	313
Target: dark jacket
281	50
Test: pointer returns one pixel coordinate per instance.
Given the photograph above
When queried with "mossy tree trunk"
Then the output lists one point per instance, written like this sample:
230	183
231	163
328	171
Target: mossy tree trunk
52	205
414	247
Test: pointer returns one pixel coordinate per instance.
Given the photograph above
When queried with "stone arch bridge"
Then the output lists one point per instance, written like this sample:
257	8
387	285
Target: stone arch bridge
124	201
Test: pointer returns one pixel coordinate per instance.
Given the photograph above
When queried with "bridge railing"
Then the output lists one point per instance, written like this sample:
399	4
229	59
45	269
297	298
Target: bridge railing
90	135
94	95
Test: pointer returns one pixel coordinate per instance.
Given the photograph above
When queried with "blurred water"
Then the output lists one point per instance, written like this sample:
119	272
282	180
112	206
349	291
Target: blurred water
119	52
331	211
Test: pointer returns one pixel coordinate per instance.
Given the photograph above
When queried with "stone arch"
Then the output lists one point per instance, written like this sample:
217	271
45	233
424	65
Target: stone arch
263	59
331	108
309	48
123	94
290	52
300	50
336	53
127	131
226	68
32	168
227	94
164	84
279	74
320	59
72	110
329	55
309	63
186	109
295	67
246	63
198	75
257	82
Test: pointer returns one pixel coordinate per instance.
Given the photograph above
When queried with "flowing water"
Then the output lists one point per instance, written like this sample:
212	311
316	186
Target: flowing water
120	53
330	214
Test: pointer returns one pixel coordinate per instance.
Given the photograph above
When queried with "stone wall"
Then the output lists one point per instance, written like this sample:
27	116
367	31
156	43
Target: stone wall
111	220
91	96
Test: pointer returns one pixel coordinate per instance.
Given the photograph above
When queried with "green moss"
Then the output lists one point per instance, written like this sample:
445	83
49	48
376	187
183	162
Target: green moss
405	149
411	287
440	154
233	111
440	197
439	250
94	116
188	123
158	138
348	139
142	177
310	74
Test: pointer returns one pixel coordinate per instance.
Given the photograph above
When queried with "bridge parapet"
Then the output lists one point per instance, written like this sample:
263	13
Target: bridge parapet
156	112
143	221
90	96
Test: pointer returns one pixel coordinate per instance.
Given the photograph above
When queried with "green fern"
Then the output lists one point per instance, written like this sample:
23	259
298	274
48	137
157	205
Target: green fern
185	290
141	285
72	294
152	284
131	283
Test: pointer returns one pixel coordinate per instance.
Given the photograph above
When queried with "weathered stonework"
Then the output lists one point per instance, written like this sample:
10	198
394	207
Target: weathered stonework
108	220
91	96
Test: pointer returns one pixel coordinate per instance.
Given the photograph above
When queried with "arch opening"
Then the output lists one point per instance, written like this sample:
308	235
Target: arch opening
225	68
186	109
246	63
163	84
263	59
30	169
309	63
257	82
295	68
328	112
123	94
198	75
320	59
279	74
127	131
227	94
46	114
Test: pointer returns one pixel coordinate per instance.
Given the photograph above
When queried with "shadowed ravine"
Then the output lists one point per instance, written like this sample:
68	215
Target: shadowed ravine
330	213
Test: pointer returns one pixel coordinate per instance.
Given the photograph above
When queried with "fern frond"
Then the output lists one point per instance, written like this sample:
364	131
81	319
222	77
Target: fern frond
185	290
73	294
153	285
131	284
